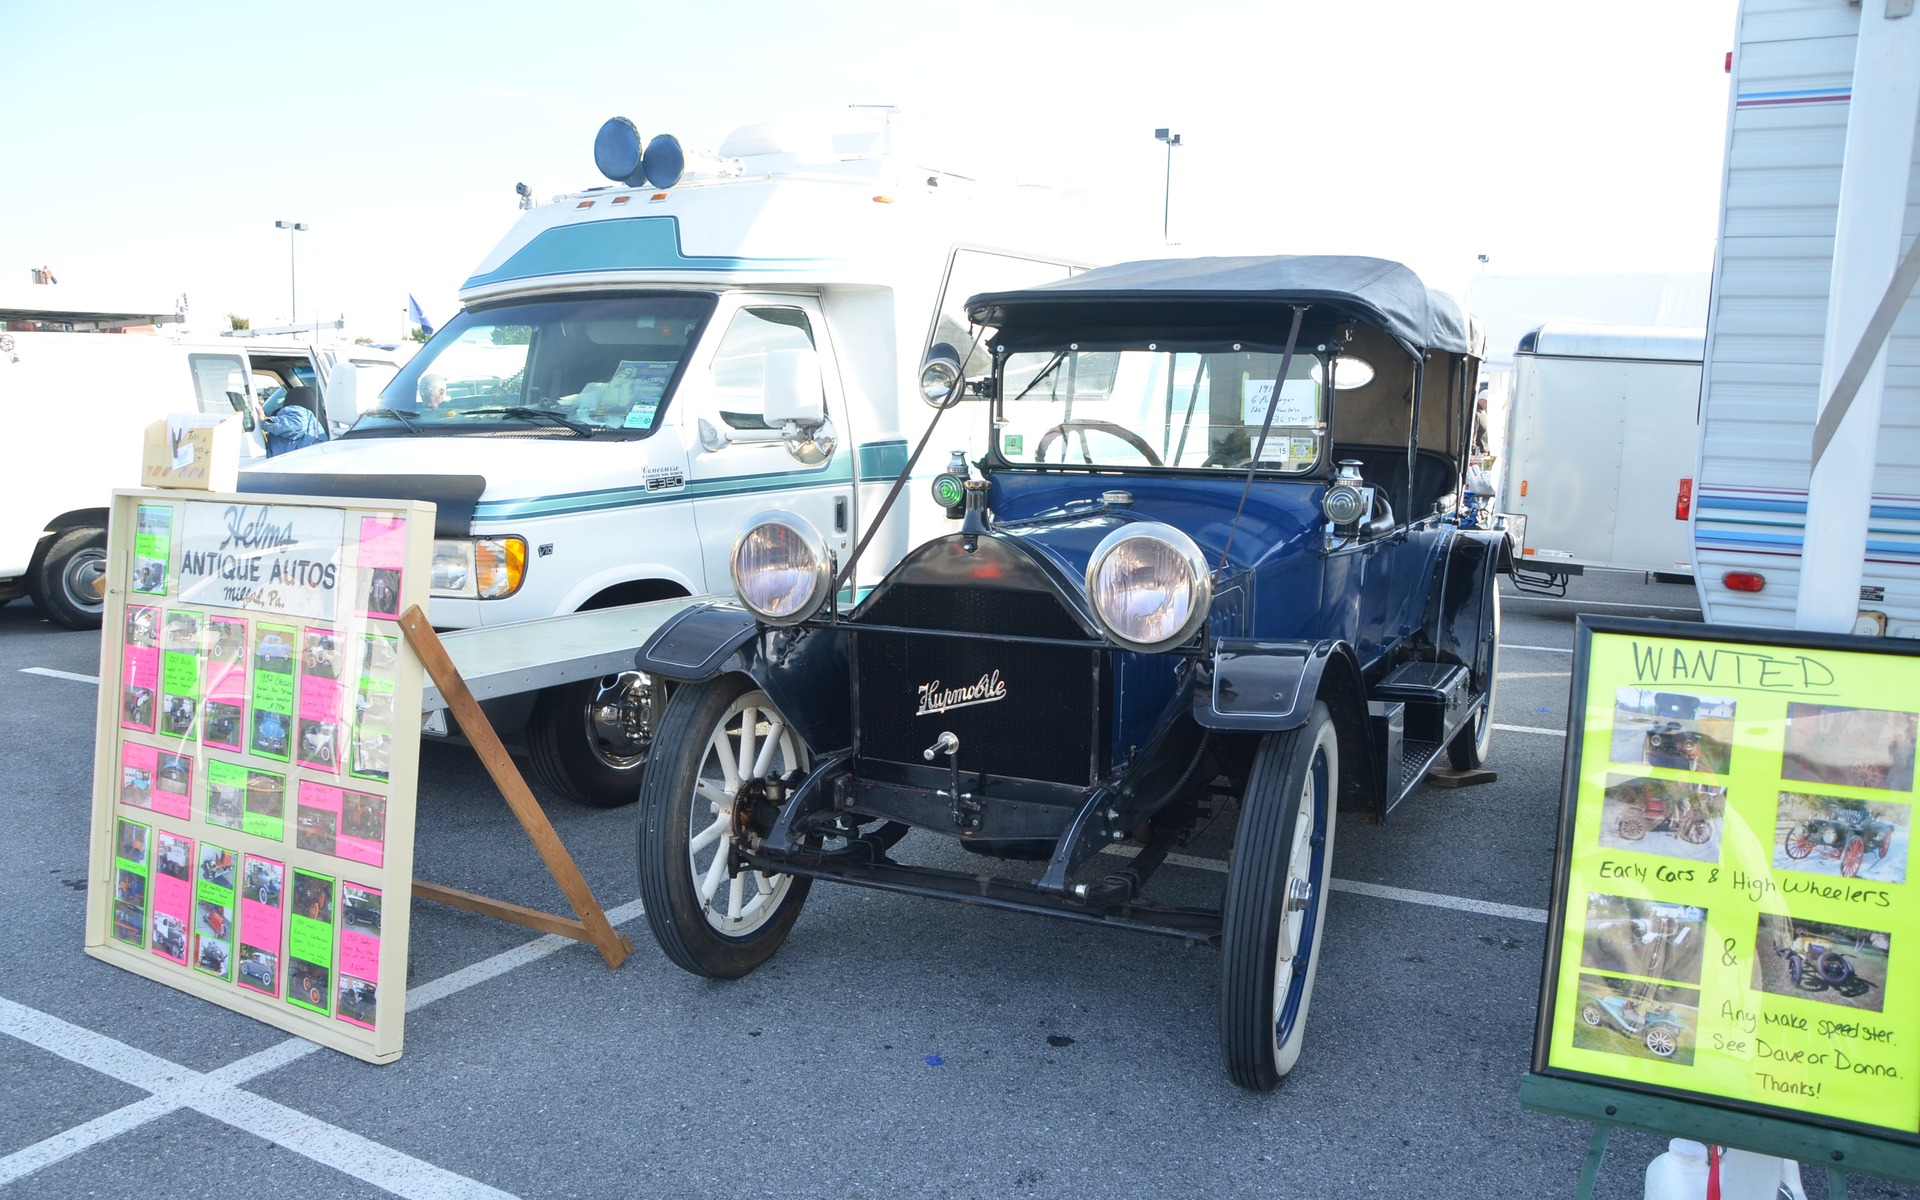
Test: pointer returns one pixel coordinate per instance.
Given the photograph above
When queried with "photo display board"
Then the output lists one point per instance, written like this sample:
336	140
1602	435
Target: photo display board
257	754
1734	920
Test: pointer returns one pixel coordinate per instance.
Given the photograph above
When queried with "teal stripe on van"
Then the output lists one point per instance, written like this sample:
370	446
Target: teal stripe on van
836	473
625	244
884	459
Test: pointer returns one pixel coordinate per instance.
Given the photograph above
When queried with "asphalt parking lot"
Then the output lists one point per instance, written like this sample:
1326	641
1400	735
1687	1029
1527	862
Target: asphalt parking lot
894	1047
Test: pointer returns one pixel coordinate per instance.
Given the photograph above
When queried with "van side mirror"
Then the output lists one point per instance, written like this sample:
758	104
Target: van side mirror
343	395
793	392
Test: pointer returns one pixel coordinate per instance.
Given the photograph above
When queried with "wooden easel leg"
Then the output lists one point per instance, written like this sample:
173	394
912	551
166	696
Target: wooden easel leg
1590	1174
1836	1183
593	925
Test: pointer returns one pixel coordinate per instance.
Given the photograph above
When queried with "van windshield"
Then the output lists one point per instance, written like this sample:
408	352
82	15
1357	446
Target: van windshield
602	366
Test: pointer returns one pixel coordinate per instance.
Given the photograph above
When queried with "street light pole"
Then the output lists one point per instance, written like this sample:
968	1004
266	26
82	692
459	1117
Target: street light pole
1166	208
293	275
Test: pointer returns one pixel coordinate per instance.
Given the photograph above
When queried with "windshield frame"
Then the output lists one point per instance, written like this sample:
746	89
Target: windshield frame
1028	344
401	395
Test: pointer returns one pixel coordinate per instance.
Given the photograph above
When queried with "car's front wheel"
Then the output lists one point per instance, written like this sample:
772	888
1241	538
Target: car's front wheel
1276	901
724	754
1662	1040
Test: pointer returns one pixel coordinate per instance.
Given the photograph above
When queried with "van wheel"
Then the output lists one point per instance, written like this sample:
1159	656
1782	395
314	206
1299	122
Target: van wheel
68	578
589	740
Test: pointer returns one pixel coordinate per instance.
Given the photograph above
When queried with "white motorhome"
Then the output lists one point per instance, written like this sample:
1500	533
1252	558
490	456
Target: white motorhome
1816	216
1600	449
124	370
640	368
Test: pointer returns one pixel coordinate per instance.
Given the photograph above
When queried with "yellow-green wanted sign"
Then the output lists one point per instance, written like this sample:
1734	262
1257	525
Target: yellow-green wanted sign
1735	919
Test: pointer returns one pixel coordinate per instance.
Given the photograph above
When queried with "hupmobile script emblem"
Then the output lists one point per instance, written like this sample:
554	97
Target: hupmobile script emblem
936	699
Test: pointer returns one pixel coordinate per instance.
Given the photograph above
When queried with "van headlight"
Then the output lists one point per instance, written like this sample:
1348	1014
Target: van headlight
1149	586
479	568
780	568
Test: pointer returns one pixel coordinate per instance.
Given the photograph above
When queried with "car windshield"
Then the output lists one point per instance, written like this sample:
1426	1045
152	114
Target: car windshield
1144	406
600	367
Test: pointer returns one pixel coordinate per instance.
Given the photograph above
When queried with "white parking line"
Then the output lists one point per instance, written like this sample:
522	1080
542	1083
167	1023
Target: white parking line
1531	675
1548	649
1378	890
1559	733
50	673
216	1093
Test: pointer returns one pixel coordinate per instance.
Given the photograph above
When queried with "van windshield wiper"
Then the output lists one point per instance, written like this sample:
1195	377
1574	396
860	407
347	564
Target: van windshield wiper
398	414
526	413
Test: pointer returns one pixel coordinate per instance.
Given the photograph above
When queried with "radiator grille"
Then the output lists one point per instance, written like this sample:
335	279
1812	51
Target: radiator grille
1042	726
974	610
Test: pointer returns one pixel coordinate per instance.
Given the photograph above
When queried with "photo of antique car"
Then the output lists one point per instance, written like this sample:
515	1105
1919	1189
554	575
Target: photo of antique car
257	966
274	653
169	936
1659	806
316	742
1217	552
1850	747
269	732
1842	965
1654	1025
1844	830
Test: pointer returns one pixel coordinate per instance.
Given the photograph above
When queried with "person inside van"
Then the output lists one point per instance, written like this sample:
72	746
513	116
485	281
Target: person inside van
433	395
290	427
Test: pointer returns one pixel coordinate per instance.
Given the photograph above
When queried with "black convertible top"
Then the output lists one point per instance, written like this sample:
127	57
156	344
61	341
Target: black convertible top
1385	294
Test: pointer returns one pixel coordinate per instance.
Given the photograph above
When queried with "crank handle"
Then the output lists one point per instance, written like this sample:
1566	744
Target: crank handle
948	745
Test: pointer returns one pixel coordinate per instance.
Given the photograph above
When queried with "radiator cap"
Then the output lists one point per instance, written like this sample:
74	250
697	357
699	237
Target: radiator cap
1117	499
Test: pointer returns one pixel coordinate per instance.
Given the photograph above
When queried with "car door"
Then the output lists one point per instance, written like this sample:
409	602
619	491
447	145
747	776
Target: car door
738	465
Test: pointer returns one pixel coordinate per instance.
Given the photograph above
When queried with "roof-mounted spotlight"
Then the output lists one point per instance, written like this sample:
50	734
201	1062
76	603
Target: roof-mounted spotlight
664	162
616	151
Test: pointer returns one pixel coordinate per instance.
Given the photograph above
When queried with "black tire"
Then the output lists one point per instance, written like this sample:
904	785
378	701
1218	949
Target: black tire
574	755
1631	828
1834	968
1468	749
1796	969
1277	890
63	578
730	943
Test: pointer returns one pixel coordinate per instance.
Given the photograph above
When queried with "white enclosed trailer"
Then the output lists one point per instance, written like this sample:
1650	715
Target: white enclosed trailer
1600	448
1818	223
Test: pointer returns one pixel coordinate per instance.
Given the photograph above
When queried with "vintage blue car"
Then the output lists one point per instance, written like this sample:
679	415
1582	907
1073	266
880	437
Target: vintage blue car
1656	1026
1218	559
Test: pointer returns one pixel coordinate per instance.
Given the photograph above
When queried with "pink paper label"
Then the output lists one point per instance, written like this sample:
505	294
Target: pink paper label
140	675
349	825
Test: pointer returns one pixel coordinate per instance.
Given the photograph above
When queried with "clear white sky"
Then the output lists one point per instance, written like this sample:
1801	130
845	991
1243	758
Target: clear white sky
149	148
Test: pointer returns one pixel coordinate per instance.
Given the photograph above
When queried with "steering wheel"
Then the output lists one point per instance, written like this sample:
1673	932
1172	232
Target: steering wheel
1120	431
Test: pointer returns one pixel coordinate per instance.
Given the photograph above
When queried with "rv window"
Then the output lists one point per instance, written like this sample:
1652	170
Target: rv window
740	365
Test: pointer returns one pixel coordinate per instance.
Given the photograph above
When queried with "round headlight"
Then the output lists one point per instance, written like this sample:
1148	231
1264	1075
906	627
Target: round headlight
1149	586
940	382
780	568
1344	504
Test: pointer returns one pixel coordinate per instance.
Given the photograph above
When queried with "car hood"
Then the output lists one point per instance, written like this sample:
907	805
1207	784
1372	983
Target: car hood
460	474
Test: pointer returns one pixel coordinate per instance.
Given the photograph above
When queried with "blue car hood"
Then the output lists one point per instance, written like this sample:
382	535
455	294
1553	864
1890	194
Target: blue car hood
1063	517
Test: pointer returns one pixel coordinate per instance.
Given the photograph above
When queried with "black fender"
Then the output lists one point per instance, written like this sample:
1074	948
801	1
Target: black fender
803	669
1255	686
1461	595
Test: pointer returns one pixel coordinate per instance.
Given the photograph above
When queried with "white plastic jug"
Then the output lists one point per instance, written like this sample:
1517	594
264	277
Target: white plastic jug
1680	1173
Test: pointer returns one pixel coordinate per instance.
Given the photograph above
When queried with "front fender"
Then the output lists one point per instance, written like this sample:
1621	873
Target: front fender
1260	686
803	670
